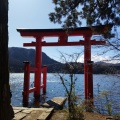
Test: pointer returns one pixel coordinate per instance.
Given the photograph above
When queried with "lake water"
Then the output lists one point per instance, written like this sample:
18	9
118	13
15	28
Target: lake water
101	83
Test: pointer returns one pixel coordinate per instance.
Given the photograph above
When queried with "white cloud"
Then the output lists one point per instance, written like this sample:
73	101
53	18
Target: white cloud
97	58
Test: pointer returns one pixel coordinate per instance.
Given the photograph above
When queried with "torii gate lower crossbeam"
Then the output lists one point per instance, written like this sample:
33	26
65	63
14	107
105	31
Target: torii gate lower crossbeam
86	32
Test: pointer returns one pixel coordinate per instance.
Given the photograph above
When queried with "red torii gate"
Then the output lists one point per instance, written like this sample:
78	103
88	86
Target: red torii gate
62	35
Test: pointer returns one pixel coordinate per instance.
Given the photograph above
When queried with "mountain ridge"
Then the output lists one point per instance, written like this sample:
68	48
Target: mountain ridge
18	55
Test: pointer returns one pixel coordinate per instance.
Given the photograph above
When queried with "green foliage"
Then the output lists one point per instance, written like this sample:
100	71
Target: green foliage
106	105
70	13
76	114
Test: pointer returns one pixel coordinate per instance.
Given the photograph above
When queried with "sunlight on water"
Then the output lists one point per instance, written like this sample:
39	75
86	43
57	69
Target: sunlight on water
55	89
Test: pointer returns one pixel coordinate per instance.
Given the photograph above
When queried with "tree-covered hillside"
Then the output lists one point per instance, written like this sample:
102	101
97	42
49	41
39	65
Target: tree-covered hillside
18	55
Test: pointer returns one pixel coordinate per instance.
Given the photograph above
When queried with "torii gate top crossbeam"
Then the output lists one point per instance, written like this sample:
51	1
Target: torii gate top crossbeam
53	32
82	31
62	35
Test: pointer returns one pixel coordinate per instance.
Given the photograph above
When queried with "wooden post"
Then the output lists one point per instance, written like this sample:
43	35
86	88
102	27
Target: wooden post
44	79
90	79
26	82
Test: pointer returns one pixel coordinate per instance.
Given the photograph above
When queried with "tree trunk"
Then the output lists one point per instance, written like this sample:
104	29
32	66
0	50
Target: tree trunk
5	107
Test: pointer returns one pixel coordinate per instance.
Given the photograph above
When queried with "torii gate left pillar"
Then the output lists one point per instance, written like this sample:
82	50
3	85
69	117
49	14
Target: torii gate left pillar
38	70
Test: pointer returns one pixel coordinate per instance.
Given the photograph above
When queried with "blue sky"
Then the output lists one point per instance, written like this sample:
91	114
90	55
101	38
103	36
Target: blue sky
34	14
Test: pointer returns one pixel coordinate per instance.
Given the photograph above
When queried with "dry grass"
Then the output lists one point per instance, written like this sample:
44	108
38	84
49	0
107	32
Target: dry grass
62	115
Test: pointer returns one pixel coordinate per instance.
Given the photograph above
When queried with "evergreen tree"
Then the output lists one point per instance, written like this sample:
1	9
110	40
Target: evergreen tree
70	13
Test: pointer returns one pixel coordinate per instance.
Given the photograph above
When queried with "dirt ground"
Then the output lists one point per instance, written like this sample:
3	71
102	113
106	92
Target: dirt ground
59	115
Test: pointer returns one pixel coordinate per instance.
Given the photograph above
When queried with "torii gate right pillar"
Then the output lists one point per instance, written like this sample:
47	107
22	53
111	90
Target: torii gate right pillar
88	75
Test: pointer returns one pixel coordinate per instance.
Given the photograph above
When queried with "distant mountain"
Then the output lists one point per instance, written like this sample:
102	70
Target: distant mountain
18	55
107	64
106	68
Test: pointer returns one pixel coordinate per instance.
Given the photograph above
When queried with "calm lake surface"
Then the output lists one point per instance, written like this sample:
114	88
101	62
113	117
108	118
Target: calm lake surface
109	85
